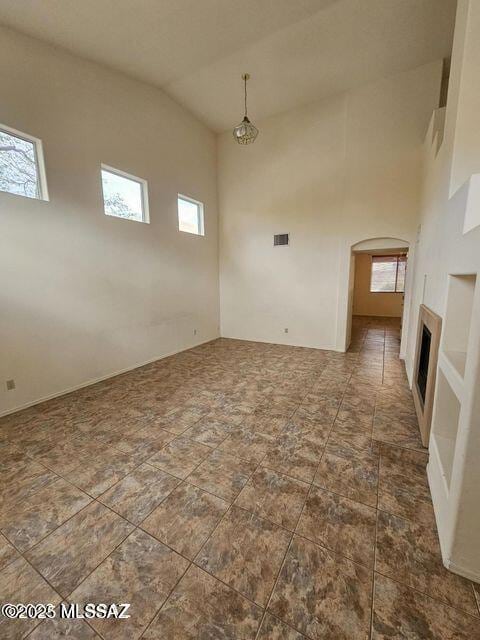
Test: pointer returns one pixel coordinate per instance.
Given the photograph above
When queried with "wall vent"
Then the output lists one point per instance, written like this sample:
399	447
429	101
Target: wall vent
280	239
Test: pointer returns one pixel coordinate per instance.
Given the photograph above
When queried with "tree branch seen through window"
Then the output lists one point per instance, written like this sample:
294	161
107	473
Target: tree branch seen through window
124	196
18	166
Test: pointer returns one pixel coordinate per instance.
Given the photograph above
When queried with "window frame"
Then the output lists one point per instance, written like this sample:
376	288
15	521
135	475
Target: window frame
143	192
201	215
397	256
39	163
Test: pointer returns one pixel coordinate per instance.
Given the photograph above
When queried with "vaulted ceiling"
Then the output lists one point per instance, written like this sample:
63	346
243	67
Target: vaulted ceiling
296	51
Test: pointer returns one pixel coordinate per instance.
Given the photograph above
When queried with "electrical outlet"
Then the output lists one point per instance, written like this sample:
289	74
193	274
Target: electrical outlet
10	385
194	332
285	330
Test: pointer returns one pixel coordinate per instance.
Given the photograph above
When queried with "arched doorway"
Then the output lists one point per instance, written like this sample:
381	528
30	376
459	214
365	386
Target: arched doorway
369	246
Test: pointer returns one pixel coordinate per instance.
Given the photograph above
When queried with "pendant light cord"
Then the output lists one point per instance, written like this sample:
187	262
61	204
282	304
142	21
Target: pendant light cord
245	80
245	132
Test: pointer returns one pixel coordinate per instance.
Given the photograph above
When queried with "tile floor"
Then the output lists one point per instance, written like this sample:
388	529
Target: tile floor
236	491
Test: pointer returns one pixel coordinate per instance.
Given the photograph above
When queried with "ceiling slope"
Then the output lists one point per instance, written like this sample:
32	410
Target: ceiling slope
196	50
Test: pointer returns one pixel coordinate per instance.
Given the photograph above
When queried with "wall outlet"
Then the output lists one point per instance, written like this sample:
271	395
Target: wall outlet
285	330
194	332
10	385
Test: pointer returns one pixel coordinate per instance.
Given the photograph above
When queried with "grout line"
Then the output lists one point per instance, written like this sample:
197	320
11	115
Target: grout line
296	526
157	611
224	516
262	397
406	586
216	527
477	599
368	567
372	606
191	562
282	622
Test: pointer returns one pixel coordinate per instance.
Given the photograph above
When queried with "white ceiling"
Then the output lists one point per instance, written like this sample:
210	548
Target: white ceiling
296	51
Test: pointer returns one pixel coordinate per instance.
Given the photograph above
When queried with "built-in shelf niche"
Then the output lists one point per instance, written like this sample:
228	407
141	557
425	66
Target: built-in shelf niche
451	370
457	320
445	424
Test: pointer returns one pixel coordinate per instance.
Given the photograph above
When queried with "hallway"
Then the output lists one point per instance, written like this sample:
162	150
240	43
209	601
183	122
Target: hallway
237	490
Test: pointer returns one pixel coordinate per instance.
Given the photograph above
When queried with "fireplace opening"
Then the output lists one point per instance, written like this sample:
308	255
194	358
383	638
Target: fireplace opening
429	329
423	362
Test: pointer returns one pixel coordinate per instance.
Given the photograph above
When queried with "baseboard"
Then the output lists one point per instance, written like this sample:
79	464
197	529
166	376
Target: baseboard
439	494
283	344
461	571
93	381
409	372
374	315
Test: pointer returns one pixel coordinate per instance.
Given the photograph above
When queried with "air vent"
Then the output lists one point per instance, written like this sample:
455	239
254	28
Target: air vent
279	239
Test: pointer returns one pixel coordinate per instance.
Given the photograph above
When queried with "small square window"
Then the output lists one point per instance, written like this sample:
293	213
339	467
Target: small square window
124	196
190	216
22	170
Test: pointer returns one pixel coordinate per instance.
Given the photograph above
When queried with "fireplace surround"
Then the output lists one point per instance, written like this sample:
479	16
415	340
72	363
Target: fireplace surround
424	372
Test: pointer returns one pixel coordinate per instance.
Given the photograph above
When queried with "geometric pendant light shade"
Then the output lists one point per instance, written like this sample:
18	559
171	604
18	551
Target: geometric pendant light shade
245	132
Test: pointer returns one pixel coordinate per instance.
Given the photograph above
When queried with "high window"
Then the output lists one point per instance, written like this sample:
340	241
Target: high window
388	274
124	196
22	170
190	216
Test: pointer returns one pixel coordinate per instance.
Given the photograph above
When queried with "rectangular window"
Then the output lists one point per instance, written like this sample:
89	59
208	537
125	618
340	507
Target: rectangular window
22	170
190	216
124	195
388	274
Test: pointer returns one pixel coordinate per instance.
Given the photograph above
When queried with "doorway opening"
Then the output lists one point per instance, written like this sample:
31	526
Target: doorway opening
377	288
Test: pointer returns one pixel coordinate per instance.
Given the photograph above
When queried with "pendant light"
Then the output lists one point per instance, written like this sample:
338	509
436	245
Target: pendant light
245	132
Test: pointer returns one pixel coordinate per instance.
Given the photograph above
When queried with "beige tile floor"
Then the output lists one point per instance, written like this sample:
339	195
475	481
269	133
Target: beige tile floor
238	490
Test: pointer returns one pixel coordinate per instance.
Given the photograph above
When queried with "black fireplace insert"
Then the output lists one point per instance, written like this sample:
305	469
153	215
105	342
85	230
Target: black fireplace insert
423	362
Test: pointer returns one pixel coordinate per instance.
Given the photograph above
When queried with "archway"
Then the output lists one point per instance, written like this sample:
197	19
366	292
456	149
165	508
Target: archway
347	281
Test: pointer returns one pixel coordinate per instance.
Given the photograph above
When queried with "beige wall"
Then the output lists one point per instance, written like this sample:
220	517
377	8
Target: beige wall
366	303
464	104
331	174
84	295
445	248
